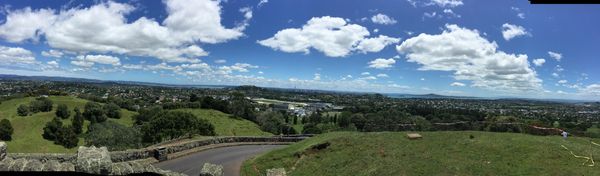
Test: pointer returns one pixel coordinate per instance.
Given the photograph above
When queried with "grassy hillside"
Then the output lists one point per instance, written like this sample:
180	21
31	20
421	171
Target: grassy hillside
225	125
438	153
27	136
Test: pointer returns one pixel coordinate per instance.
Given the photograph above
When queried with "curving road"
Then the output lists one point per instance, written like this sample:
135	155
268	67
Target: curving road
230	157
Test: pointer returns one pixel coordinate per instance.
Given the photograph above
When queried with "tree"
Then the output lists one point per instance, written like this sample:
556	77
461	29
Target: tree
112	110
51	129
77	122
144	115
62	111
113	135
66	137
345	119
6	130
173	124
193	97
94	112
23	110
41	104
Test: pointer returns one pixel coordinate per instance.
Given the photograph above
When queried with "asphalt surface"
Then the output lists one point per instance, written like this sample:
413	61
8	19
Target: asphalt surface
230	157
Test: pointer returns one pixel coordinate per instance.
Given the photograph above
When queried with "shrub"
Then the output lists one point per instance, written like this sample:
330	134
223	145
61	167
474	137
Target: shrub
6	130
66	137
51	129
23	110
77	122
112	110
113	135
173	124
94	112
62	111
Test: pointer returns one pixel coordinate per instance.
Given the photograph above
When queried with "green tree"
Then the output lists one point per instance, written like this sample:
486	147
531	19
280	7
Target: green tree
173	124
144	115
194	97
62	111
113	135
23	110
77	122
94	112
66	137
6	130
112	110
50	131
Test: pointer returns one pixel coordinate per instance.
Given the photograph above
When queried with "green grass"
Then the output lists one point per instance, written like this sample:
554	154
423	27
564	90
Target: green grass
438	153
225	125
27	136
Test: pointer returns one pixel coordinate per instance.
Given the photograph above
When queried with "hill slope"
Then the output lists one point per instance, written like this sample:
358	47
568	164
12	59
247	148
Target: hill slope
28	130
225	125
438	153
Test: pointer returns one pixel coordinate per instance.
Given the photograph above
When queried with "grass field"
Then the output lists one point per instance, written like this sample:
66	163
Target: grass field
225	125
27	136
438	153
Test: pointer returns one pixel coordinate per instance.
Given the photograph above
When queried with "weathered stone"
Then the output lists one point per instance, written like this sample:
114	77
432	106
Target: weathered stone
51	165
4	164
276	172
211	170
33	165
18	165
2	150
137	167
67	167
93	160
414	136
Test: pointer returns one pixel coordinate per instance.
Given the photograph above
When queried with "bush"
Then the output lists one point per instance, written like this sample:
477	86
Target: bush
77	122
94	112
23	110
144	115
113	135
112	110
6	130
51	129
174	124
62	111
66	137
41	104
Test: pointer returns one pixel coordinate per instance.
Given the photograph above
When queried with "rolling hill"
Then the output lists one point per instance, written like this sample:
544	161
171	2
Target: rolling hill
438	153
225	125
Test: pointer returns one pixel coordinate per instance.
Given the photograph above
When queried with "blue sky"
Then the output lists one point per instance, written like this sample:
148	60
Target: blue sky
450	47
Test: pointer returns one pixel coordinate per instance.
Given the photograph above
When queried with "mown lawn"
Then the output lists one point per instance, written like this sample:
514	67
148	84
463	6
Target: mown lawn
28	130
438	153
226	125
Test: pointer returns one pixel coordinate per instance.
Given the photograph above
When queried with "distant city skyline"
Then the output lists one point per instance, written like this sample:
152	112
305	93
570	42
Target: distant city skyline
447	47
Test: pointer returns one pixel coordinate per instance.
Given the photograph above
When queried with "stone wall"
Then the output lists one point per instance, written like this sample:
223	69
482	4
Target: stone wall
60	157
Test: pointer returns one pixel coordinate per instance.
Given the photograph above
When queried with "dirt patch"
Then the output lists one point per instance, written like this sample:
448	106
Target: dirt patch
313	149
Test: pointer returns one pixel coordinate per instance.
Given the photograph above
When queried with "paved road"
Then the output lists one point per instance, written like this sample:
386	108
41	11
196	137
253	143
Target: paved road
230	157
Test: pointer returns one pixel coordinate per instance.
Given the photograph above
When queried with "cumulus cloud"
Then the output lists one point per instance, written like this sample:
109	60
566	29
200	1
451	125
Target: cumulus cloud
220	61
52	53
365	73
93	29
381	63
383	19
382	75
26	24
592	89
471	57
317	77
510	31
562	81
446	3
331	35
458	84
554	55
90	60
539	62
16	55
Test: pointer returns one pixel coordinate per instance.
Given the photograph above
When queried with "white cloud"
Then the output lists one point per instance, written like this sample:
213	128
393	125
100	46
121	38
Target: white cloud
26	24
458	84
383	19
562	81
93	29
368	78
133	66
510	31
220	61
555	75
382	75
52	64
519	13
365	73
451	13
593	89
90	60
247	11
52	53
471	57
331	35
381	63
446	3
16	55
554	55
317	77
262	2
539	62
430	15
